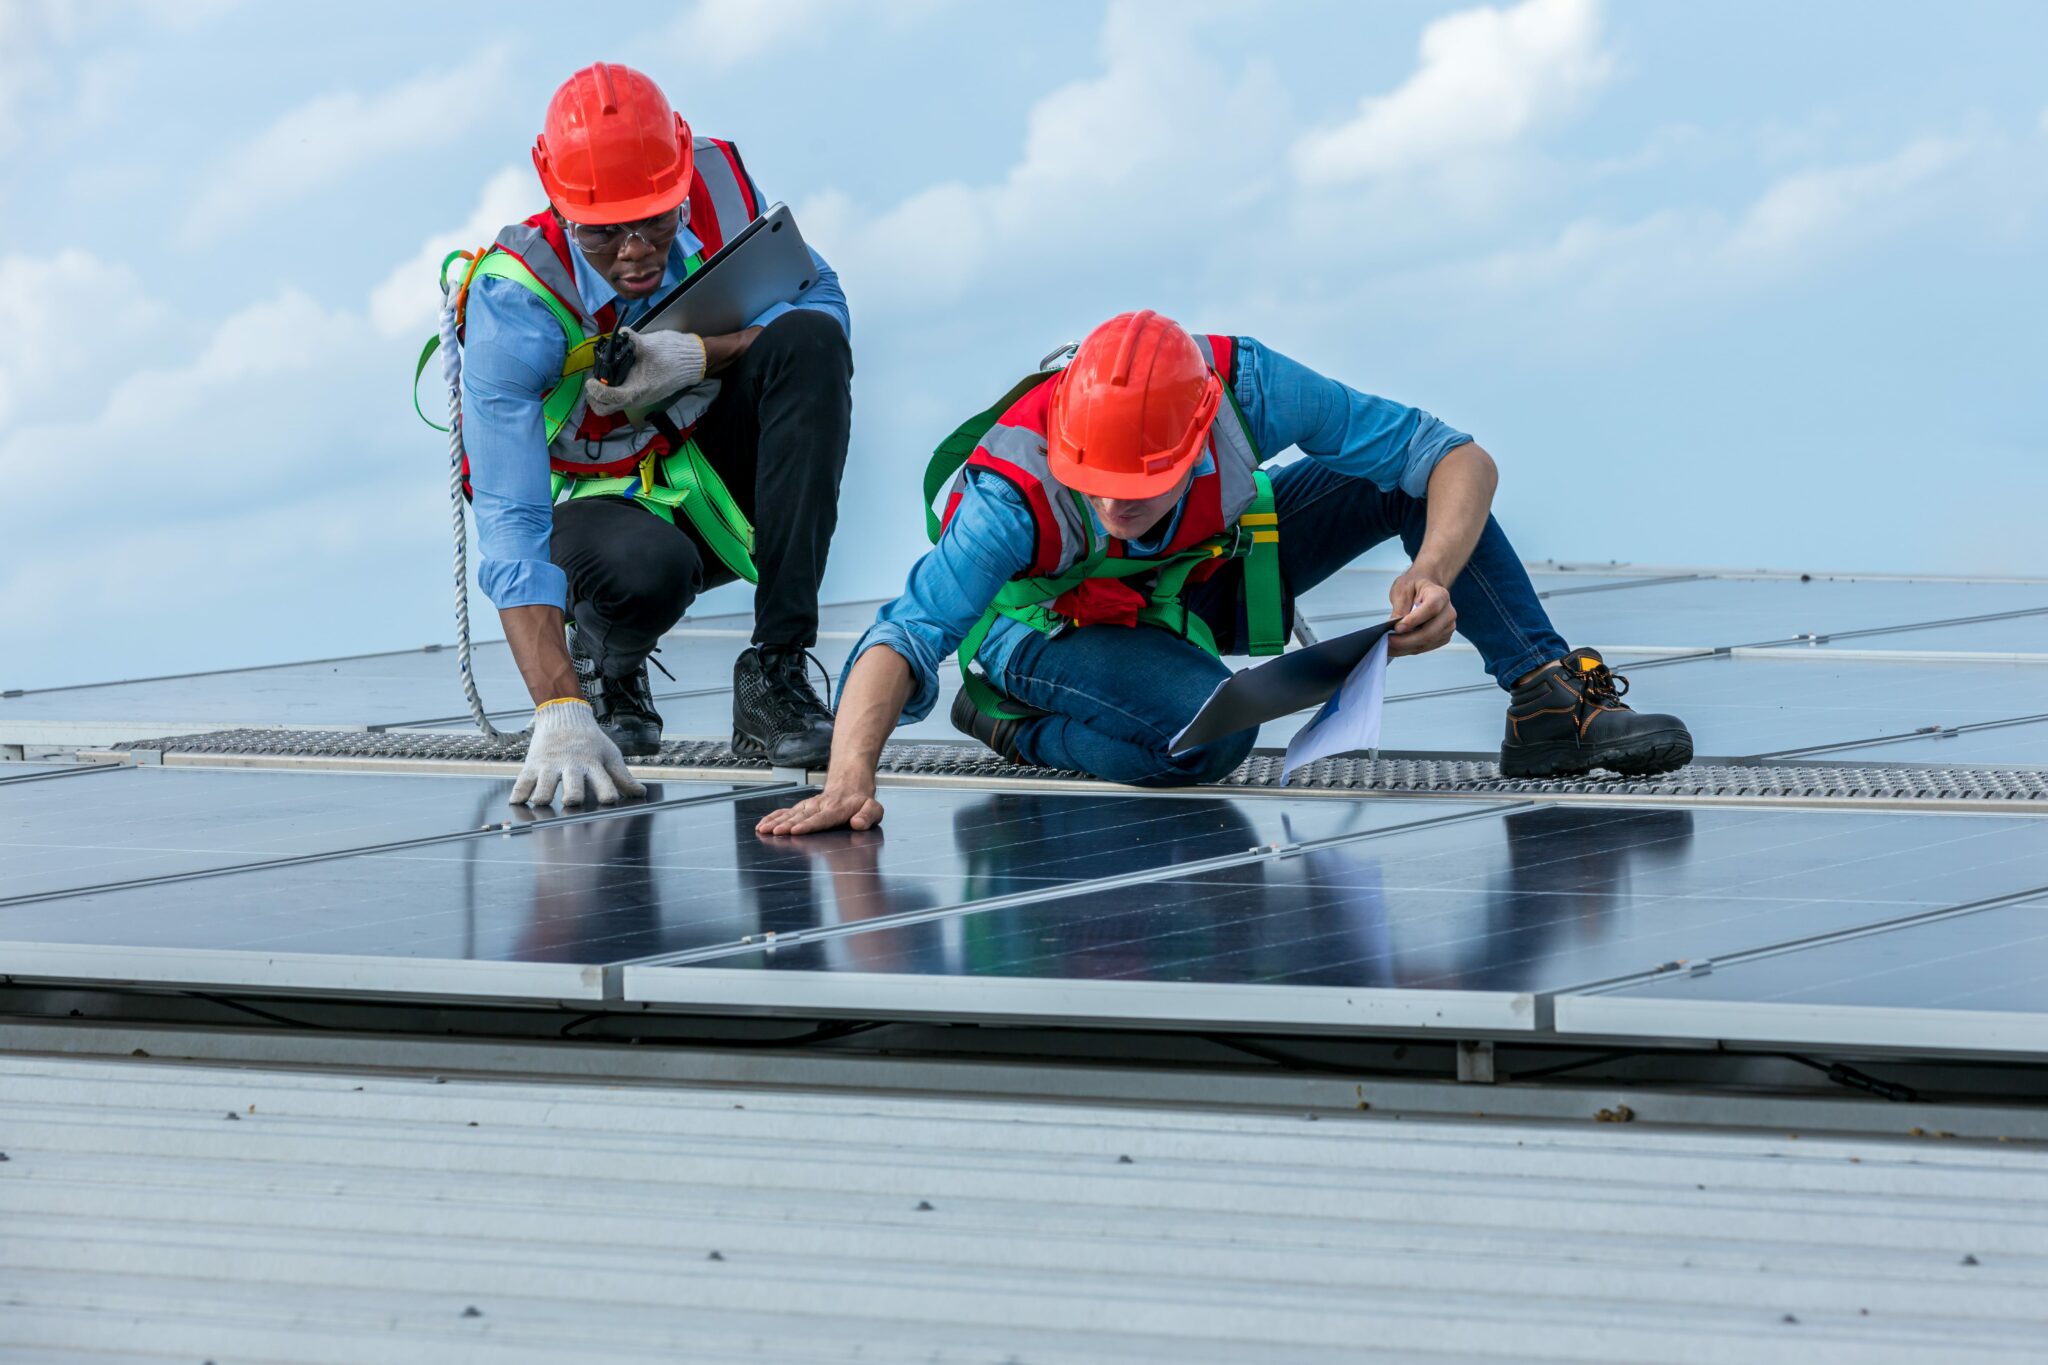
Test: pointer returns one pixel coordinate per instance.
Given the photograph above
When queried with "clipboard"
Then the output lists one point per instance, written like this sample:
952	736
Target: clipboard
1295	681
767	263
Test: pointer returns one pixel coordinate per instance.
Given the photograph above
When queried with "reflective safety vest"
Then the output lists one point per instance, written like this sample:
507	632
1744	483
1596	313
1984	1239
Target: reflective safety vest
592	454
1077	577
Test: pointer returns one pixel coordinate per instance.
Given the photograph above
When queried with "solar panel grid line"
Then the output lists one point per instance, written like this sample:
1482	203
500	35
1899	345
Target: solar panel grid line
1068	889
68	770
1626	584
2027	896
1821	637
1874	741
223	672
502	828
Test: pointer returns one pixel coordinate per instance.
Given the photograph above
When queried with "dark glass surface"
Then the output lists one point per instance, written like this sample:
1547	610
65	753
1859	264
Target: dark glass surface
1535	900
58	835
659	881
1990	960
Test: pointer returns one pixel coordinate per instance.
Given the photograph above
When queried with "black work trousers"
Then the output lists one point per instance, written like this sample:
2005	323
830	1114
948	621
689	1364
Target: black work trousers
777	435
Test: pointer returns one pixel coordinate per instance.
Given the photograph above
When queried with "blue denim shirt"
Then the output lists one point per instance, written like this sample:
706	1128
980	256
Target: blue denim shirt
990	538
511	357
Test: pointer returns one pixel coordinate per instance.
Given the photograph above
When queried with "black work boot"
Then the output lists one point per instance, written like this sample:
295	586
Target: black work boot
624	705
1000	735
1569	719
776	714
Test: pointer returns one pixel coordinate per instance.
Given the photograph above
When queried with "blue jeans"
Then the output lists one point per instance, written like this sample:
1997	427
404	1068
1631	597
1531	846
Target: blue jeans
1118	694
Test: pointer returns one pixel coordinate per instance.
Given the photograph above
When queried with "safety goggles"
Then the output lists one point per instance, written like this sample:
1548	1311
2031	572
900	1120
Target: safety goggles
606	238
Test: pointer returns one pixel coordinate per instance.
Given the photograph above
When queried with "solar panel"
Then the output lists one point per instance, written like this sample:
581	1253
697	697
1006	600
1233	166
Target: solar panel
131	823
1461	924
668	880
1972	982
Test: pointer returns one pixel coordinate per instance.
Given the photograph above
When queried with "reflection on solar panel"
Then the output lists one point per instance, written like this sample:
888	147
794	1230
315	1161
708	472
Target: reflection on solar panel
986	897
1518	905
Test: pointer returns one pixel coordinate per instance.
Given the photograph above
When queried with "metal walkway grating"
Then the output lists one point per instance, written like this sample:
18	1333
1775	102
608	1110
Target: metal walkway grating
969	762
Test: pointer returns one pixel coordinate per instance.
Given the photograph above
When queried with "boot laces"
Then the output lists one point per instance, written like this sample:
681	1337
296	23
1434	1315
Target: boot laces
788	673
1601	684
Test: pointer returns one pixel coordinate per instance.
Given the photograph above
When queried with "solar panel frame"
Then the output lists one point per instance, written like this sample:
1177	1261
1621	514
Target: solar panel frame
1622	1009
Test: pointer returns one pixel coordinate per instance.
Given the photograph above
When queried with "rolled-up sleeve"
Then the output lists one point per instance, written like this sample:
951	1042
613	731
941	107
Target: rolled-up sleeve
1368	437
511	354
988	542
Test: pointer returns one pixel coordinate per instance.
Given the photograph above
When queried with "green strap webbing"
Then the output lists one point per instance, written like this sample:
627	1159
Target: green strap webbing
954	450
688	483
1265	597
687	479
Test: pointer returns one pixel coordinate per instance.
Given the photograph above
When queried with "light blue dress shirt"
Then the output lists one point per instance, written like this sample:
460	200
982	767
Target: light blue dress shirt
991	536
511	358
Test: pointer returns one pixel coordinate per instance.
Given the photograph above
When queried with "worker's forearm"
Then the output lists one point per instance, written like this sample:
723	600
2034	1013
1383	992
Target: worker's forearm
1460	498
541	651
870	703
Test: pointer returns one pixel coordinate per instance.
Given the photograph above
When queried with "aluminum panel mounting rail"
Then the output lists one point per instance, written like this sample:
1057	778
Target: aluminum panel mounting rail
1835	783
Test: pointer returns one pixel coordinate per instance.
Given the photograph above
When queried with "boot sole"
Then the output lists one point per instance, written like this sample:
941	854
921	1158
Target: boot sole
747	747
1644	756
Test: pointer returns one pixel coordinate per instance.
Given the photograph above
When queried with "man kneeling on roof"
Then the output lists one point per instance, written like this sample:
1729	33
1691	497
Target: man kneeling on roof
1111	534
626	523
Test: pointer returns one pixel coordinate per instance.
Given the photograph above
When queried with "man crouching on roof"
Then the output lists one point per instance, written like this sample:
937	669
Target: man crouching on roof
618	524
1112	534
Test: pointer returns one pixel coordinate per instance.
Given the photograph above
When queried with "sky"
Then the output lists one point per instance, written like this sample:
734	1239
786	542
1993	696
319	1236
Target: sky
1744	284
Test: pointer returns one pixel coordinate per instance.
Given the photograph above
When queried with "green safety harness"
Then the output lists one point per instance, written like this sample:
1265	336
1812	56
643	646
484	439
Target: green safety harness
1255	539
683	480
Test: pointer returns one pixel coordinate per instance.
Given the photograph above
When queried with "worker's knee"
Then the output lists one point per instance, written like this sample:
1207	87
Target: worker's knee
652	582
1211	762
806	341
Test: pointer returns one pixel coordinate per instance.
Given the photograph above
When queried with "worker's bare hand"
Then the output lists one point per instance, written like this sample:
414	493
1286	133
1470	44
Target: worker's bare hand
1423	614
722	351
832	808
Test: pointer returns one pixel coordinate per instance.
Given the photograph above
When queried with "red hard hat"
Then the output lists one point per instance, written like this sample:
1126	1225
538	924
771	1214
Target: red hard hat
612	151
1131	412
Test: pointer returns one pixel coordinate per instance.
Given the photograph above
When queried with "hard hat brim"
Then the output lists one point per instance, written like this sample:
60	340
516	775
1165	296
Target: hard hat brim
1121	485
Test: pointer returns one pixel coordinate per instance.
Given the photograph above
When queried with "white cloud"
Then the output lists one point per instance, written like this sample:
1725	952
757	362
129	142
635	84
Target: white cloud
322	141
1594	269
1487	79
1122	160
51	313
406	303
1802	208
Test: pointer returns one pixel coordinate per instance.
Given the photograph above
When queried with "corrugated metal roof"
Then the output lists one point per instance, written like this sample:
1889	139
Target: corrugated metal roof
153	1210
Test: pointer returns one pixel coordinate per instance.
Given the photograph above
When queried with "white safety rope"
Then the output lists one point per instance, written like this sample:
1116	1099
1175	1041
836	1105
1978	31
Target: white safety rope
451	366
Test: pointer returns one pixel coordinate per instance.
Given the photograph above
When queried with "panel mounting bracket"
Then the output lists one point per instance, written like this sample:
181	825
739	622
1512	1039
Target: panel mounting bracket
1475	1061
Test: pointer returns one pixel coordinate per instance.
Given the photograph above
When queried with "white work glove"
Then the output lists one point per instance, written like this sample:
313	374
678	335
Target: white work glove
664	364
568	750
